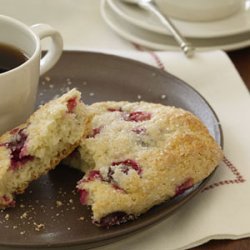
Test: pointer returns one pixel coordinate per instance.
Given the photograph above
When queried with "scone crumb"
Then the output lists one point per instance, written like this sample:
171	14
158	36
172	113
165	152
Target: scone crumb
59	203
6	217
69	228
69	82
81	218
47	78
38	227
70	201
22	232
24	215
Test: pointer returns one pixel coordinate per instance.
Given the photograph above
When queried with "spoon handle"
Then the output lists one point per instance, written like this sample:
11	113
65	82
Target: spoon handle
184	45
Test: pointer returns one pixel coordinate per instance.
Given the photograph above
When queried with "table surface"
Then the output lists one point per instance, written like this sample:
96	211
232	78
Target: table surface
241	60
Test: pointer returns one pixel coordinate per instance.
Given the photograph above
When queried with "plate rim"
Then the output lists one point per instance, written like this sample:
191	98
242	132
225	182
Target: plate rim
124	33
189	194
180	23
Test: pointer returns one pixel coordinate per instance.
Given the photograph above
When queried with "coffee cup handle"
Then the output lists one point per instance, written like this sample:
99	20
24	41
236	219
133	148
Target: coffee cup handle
55	50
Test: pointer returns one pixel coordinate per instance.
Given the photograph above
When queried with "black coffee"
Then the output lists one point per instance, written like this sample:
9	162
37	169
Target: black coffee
10	57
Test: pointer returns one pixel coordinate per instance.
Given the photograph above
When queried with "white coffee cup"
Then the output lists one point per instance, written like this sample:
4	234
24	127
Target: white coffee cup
200	10
18	86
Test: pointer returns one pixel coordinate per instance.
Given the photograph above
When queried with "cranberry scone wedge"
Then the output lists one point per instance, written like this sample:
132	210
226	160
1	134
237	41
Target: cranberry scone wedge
33	148
138	155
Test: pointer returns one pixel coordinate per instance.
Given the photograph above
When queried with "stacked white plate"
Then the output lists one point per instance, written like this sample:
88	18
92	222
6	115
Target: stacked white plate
139	26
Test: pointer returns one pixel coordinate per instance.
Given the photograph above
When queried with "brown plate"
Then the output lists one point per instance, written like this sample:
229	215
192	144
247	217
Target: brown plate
49	213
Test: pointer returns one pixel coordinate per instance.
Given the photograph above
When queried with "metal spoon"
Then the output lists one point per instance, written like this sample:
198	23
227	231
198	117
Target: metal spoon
150	5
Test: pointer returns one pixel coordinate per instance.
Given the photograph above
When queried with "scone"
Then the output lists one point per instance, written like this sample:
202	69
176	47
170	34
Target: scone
138	155
33	148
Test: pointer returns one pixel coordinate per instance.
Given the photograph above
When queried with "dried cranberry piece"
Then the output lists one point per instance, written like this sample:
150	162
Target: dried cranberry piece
138	116
118	188
9	202
128	164
83	196
17	148
184	186
14	131
94	174
95	131
115	218
111	180
115	109
71	104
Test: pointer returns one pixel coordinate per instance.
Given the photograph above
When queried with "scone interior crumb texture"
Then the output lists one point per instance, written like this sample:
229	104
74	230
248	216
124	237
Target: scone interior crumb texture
140	154
33	148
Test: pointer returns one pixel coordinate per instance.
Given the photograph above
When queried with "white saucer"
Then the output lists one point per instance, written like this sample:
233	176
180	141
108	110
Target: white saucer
158	41
236	24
